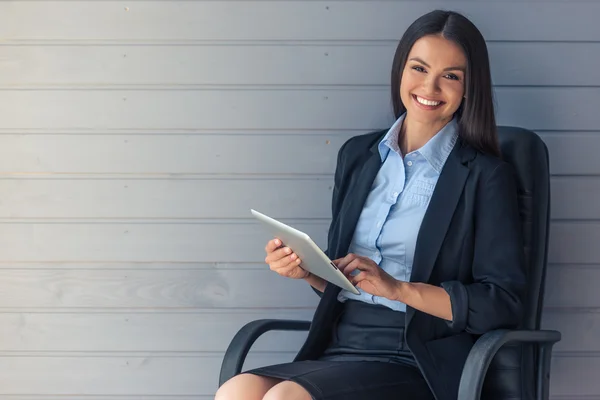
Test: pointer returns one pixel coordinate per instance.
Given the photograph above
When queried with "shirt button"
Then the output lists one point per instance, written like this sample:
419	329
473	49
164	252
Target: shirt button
395	194
409	163
379	224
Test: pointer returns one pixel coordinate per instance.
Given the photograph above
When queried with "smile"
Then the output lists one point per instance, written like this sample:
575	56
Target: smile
427	103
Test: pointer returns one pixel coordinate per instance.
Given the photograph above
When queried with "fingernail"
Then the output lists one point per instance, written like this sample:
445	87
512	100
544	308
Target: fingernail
277	242
298	261
293	256
288	250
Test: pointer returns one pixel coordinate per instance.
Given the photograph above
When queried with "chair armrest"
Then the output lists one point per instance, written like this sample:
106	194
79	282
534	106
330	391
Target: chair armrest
244	339
487	346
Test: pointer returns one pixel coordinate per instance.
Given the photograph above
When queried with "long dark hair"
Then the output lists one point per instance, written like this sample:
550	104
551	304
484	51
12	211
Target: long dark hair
476	120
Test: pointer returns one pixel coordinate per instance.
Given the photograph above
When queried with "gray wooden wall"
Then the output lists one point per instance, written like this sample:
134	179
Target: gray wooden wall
135	136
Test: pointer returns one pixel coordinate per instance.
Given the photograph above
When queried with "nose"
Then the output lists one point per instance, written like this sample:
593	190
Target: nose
431	84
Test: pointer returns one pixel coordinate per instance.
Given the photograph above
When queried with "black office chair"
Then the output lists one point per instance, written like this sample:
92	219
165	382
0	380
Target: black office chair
503	364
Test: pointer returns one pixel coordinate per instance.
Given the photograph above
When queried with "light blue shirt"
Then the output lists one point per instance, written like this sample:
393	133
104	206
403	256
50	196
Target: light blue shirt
388	225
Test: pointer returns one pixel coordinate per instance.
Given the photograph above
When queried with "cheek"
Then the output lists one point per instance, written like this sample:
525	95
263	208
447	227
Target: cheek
408	84
454	95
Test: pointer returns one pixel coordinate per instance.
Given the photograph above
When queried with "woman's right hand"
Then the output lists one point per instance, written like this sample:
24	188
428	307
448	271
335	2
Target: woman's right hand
283	261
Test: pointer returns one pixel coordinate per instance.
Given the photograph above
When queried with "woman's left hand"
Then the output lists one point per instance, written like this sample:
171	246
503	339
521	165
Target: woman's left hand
371	278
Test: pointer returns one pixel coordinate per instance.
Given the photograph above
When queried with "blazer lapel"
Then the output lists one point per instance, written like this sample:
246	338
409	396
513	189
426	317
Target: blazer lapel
353	204
355	199
439	214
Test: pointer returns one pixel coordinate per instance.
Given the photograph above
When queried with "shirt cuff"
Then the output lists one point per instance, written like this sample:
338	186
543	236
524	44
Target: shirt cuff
459	301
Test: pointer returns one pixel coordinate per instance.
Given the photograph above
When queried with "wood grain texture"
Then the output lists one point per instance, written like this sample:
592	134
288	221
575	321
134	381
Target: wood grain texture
118	375
579	329
166	198
574	243
218	241
561	281
246	153
157	289
294	197
573	153
513	64
276	153
178	375
366	108
157	331
575	376
213	288
286	20
194	331
136	135
151	241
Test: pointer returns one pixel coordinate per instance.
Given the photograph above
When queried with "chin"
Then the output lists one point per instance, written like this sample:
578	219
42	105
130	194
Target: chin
429	116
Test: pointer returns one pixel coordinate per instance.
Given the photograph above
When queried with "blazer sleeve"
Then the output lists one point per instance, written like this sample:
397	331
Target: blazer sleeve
494	299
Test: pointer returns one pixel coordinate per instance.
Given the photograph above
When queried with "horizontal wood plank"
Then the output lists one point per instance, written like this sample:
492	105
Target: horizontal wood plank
286	20
219	198
561	282
218	241
513	63
165	198
121	376
217	288
575	376
571	198
136	375
153	289
228	288
574	243
580	329
208	331
279	152
235	108
94	241
573	153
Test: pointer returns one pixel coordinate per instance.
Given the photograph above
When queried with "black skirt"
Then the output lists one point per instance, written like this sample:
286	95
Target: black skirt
366	359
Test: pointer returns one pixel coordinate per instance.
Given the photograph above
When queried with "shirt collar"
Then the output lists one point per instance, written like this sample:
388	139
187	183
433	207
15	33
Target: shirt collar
390	140
435	151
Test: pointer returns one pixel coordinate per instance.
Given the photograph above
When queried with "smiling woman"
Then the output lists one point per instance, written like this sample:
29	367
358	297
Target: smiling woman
425	224
431	69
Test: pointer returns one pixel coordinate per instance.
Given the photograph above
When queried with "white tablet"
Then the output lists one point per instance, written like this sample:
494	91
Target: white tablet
313	258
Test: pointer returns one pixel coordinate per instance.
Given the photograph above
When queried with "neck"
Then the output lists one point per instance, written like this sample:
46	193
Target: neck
415	134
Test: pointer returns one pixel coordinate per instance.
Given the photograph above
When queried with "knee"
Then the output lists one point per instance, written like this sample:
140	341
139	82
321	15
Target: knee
287	390
245	386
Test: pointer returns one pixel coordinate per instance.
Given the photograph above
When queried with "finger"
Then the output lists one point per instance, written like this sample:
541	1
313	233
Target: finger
290	261
356	264
359	278
273	245
343	262
278	254
287	271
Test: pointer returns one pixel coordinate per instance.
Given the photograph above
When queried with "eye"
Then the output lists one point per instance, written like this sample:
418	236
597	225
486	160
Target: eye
418	68
452	77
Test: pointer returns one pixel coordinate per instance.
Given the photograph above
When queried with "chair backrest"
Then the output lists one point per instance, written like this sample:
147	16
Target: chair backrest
512	372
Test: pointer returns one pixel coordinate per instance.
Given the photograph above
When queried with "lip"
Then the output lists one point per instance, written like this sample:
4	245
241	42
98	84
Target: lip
423	106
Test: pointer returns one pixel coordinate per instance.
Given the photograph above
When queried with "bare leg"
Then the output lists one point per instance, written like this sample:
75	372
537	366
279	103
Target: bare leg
246	387
287	390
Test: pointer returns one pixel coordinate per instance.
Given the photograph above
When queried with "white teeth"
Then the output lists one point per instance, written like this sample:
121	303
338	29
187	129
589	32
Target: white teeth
427	102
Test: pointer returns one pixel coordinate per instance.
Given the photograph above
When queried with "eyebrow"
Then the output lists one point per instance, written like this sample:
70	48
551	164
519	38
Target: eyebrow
417	59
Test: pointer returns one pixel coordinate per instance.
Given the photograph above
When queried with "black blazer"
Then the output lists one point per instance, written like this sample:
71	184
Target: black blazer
470	243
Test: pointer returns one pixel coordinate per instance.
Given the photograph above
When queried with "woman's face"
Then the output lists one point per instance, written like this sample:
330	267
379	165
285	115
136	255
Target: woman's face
433	80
